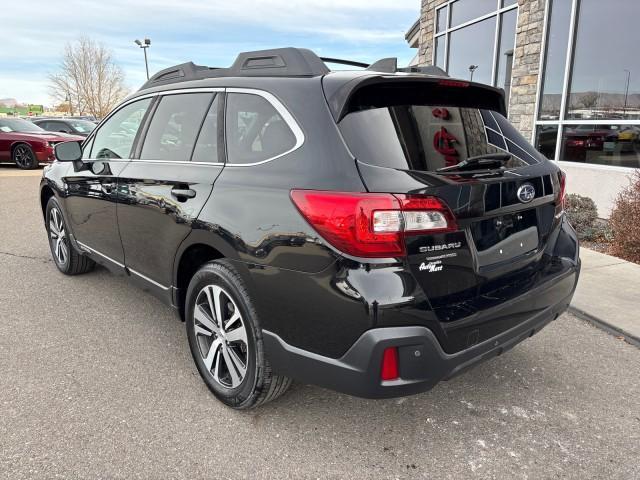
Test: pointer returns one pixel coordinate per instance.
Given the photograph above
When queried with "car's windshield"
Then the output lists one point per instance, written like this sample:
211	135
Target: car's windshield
18	125
82	126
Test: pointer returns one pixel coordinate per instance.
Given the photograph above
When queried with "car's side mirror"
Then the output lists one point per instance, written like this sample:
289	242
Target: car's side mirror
68	151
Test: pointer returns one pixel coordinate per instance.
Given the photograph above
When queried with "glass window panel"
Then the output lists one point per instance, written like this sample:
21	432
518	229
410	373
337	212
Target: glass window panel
465	10
427	137
175	124
555	59
439	56
86	148
115	137
516	143
506	3
489	121
496	139
505	51
255	130
604	144
546	140
206	149
605	80
441	19
473	45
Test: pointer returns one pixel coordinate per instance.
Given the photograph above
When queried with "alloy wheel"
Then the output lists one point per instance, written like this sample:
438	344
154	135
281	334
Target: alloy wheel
221	336
58	236
22	156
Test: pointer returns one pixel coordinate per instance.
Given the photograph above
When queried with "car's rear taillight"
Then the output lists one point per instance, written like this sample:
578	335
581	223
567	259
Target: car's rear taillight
372	225
562	178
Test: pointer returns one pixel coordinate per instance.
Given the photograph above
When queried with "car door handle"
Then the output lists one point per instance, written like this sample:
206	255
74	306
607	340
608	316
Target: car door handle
183	193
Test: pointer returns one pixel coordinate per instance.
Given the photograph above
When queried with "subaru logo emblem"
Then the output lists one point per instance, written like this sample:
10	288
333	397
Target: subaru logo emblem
526	192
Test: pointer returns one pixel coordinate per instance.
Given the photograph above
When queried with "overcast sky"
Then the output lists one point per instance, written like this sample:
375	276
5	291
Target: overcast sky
207	32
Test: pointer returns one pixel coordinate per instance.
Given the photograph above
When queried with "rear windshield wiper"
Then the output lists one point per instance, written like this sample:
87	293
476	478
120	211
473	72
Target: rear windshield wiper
487	161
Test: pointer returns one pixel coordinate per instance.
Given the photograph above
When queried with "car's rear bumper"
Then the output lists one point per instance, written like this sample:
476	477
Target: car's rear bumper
422	361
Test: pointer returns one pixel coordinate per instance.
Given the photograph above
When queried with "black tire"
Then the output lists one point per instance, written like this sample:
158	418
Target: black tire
259	384
23	156
70	261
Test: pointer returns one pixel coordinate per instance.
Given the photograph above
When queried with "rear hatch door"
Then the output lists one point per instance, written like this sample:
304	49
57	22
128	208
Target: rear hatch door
505	210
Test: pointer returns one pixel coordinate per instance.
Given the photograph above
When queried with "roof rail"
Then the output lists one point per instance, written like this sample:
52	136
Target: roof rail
278	62
340	61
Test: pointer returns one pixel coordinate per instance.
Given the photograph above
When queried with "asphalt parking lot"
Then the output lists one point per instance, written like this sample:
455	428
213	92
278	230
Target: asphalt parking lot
97	382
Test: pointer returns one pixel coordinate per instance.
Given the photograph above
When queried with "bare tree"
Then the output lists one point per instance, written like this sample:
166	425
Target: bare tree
589	99
88	80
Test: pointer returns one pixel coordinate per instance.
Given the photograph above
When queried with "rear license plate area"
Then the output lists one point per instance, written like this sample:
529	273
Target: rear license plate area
503	238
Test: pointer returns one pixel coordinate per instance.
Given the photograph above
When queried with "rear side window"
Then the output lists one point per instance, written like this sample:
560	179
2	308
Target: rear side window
58	127
255	131
428	137
175	125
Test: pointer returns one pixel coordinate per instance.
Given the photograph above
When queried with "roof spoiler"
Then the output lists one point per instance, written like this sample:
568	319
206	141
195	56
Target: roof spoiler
379	90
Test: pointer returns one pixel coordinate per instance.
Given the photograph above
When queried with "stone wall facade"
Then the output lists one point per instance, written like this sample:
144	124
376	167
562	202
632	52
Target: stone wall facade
427	28
526	62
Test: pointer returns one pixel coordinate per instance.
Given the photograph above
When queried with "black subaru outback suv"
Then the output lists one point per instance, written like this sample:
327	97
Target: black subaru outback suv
371	231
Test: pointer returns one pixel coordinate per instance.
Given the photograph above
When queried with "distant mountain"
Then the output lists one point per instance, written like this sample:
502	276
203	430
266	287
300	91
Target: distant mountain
8	102
592	102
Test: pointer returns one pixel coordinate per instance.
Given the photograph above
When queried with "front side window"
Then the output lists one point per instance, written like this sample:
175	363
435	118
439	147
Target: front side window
255	131
116	136
175	126
206	149
86	149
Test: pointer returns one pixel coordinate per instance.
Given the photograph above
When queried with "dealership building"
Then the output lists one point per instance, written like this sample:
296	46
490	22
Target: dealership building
570	70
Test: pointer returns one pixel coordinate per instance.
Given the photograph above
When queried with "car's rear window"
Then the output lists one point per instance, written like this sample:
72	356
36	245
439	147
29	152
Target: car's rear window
428	137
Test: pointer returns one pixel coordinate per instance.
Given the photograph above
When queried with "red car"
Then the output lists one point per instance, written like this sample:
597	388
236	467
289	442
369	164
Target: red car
582	138
28	145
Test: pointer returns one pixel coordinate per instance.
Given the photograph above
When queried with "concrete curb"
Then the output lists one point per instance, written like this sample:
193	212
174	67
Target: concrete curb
606	326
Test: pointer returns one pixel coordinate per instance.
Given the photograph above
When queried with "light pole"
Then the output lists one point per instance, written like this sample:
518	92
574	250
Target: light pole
626	93
70	105
472	68
144	45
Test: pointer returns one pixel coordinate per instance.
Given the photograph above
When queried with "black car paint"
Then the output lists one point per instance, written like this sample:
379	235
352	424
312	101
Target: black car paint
307	294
